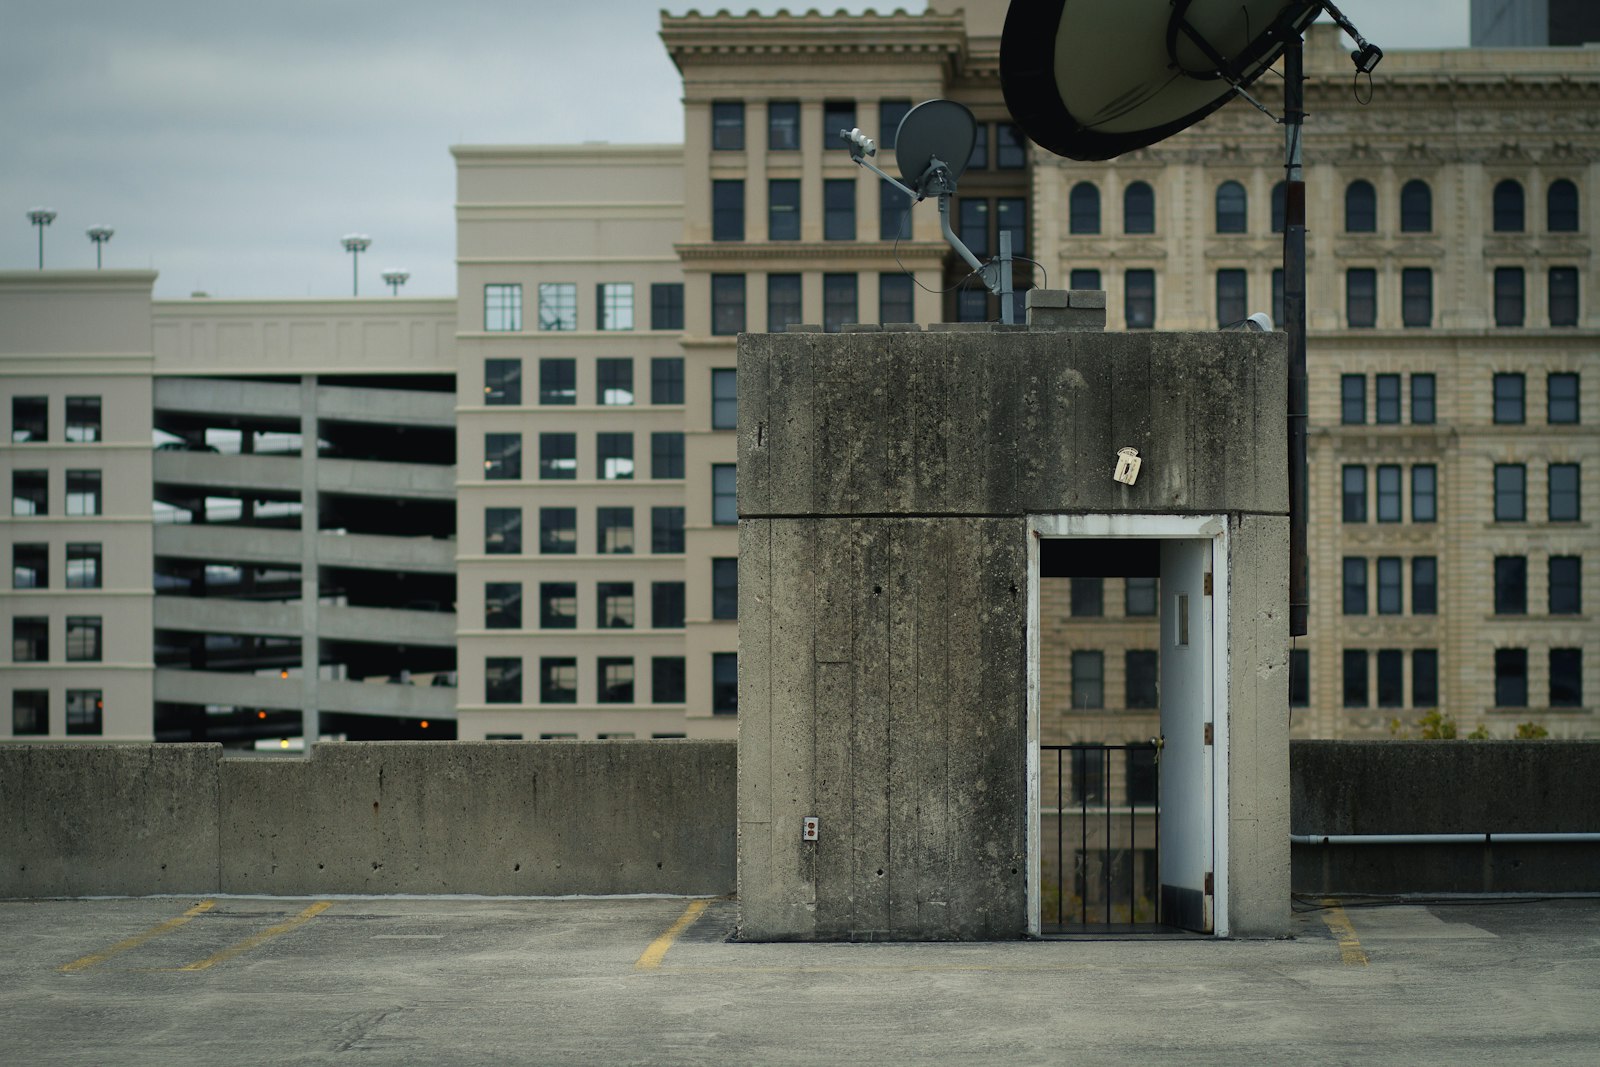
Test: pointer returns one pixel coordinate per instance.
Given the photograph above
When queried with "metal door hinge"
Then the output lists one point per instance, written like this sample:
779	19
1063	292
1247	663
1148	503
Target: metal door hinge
1208	733
1208	583
1210	892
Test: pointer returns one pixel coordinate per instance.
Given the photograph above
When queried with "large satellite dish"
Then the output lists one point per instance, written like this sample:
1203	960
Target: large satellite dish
1092	79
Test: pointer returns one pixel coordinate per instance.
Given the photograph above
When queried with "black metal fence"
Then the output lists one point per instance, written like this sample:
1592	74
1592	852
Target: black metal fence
1100	817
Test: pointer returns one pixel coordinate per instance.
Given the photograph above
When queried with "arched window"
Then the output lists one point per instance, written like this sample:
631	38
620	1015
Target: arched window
1231	208
1561	207
1360	207
1416	207
1139	208
1084	208
1508	214
1279	191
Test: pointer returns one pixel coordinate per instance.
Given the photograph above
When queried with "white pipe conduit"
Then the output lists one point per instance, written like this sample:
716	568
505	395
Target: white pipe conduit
1442	839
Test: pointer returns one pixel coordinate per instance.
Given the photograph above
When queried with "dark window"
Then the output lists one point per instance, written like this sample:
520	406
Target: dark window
1083	208
30	419
783	301
1299	678
1010	147
558	456
1425	678
1508	207
85	711
1563	296
666	380
979	158
558	381
1361	297
839	209
614	680
558	680
1561	207
1088	597
1511	677
1424	493
83	492
1391	678
558	531
83	638
613	305
1277	295
1424	585
1386	399
558	605
666	306
783	126
1510	492
1508	398
1355	678
1232	297
614	605
727	209
1353	490
83	419
1139	596
1144	786
1508	296
1084	278
1566	677
614	531
30	639
724	494
666	605
724	398
666	680
502	308
725	588
1416	207
725	683
1143	674
1564	501
1510	585
894	213
502	680
1232	208
1360	207
896	298
972	304
30	712
727	125
783	209
1088	774
890	114
1279	207
666	455
837	115
1355	585
502	531
838	301
1139	208
1566	585
973	225
502	605
1422	399
1388	493
1416	297
666	531
613	382
1390	585
30	566
1139	299
727	304
1562	399
1088	680
1353	399
502	381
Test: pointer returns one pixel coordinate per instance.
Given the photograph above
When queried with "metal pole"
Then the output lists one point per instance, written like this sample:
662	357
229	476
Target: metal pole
355	272
1008	311
41	246
1294	323
98	248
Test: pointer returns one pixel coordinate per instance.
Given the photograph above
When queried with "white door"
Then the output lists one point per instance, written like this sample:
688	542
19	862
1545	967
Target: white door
1186	771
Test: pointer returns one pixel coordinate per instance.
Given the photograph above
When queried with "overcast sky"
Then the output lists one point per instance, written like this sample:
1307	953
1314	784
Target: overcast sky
230	144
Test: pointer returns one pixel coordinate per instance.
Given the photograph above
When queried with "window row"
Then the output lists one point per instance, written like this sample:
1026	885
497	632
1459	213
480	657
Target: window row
1387	668
30	565
30	639
1416	297
30	492
1141	675
30	419
1387	399
558	456
1088	597
783	123
1561	398
558	381
1511	492
30	712
558	531
785	293
1386	591
838	212
1563	586
616	680
1354	497
558	306
615	606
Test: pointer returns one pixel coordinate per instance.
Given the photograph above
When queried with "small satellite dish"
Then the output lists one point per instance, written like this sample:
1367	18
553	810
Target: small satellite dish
934	129
1092	79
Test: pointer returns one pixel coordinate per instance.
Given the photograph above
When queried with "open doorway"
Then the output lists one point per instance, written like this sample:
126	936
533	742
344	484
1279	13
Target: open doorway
1126	646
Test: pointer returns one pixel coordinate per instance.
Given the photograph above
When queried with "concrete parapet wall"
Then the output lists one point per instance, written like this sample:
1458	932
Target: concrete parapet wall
534	818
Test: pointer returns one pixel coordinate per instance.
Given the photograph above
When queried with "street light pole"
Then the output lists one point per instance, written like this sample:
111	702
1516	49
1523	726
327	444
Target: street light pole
41	217
395	278
355	244
99	235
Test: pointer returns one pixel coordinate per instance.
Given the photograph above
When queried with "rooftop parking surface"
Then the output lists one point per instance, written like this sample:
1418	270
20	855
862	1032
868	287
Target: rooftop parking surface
244	980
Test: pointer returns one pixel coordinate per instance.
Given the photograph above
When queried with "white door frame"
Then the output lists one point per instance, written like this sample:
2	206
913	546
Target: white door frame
1161	527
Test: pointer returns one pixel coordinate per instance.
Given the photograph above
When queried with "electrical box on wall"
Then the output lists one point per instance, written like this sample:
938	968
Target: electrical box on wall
809	827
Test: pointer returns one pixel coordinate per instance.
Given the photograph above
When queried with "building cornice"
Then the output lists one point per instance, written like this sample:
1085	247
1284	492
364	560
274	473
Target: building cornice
811	252
810	36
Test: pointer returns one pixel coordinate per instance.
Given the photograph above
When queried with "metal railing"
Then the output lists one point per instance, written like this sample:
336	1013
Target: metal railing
1080	779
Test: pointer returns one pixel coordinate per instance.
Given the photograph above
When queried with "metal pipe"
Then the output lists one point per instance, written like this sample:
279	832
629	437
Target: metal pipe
1294	324
1444	839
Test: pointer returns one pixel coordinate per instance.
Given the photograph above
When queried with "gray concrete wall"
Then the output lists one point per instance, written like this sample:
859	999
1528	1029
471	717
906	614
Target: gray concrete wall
391	817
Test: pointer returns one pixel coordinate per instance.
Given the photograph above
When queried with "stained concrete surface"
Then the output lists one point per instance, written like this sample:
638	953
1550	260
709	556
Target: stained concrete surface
447	981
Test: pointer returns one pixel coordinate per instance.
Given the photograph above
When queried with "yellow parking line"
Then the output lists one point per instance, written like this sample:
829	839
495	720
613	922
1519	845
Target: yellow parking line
138	939
658	948
256	939
1350	950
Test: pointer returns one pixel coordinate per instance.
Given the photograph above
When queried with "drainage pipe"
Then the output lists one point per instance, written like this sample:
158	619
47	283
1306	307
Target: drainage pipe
1443	839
